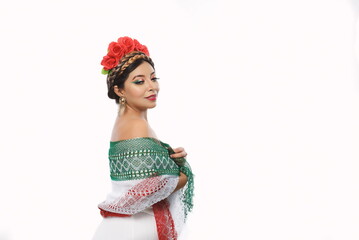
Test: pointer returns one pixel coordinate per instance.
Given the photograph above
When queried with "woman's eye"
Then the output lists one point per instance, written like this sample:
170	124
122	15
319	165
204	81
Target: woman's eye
141	81
138	82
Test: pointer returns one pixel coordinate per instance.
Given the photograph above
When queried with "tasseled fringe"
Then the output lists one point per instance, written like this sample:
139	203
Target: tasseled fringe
188	191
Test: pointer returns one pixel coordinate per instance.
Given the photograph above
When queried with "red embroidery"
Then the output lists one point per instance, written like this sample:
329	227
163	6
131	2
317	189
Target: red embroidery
165	225
105	213
140	192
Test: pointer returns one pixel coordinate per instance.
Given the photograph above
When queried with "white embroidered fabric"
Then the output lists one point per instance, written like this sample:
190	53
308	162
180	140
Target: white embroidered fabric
133	196
176	209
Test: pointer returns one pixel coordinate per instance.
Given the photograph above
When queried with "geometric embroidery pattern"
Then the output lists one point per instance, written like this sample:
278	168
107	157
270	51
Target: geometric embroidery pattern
142	195
132	159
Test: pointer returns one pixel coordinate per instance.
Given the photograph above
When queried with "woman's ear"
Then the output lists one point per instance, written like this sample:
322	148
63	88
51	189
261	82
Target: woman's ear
118	91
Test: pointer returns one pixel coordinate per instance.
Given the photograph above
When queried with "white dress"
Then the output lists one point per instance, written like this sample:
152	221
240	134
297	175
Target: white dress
141	226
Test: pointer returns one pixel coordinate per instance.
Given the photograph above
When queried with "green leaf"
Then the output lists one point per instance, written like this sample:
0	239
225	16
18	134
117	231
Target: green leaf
104	72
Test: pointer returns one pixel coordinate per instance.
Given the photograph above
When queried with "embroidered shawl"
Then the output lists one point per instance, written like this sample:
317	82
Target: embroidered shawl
144	175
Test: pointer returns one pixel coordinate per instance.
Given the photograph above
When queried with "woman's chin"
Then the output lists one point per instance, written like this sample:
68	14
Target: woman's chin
154	105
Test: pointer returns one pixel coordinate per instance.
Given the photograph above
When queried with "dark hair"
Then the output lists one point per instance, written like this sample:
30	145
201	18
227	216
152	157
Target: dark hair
119	74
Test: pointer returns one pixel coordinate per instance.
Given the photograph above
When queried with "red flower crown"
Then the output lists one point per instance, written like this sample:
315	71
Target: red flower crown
117	50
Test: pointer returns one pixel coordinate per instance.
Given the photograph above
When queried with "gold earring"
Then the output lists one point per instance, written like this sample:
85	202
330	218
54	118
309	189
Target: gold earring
122	101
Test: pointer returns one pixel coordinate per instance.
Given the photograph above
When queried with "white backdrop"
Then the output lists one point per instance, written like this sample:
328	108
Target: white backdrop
263	95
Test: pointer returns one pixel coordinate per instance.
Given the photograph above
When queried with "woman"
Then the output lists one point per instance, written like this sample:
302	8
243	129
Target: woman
152	184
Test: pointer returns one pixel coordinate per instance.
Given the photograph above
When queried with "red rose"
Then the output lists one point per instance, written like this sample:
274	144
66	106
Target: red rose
140	47
115	50
137	44
144	49
127	44
109	62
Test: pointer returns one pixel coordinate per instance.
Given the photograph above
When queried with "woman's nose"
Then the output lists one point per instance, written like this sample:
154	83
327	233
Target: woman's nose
152	84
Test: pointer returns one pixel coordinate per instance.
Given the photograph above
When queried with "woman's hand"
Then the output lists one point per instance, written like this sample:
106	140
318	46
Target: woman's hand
181	181
179	152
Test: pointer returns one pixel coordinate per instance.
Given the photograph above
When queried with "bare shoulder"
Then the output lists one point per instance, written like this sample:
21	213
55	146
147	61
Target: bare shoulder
131	129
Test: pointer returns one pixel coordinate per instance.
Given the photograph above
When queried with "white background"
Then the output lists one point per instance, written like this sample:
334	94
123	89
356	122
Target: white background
263	95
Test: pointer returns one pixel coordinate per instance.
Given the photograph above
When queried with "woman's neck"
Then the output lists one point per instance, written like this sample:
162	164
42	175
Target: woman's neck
129	112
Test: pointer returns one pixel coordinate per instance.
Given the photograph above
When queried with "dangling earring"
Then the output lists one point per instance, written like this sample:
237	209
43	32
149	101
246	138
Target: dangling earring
122	101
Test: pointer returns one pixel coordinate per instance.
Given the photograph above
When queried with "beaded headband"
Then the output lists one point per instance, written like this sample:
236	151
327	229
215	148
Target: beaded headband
117	50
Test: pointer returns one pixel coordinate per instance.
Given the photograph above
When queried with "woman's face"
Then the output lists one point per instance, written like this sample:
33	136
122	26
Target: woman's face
140	84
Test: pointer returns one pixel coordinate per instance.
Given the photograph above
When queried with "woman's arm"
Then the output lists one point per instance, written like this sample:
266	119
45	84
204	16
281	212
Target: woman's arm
181	182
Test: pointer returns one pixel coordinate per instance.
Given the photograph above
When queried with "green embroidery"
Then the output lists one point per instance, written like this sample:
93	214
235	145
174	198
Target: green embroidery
143	157
143	174
139	158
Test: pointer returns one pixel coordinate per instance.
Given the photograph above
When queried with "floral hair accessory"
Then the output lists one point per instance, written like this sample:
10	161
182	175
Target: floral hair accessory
117	50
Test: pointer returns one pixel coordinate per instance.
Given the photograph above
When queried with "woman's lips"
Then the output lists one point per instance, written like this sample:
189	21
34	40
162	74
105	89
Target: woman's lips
152	97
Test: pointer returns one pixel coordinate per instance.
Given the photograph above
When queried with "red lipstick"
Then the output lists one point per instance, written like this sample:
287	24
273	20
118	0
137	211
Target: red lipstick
152	97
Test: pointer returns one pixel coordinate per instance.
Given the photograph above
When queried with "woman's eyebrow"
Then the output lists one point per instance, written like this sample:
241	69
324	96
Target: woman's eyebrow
138	76
141	75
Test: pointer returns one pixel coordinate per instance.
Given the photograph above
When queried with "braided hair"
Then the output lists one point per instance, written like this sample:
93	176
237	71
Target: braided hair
119	74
